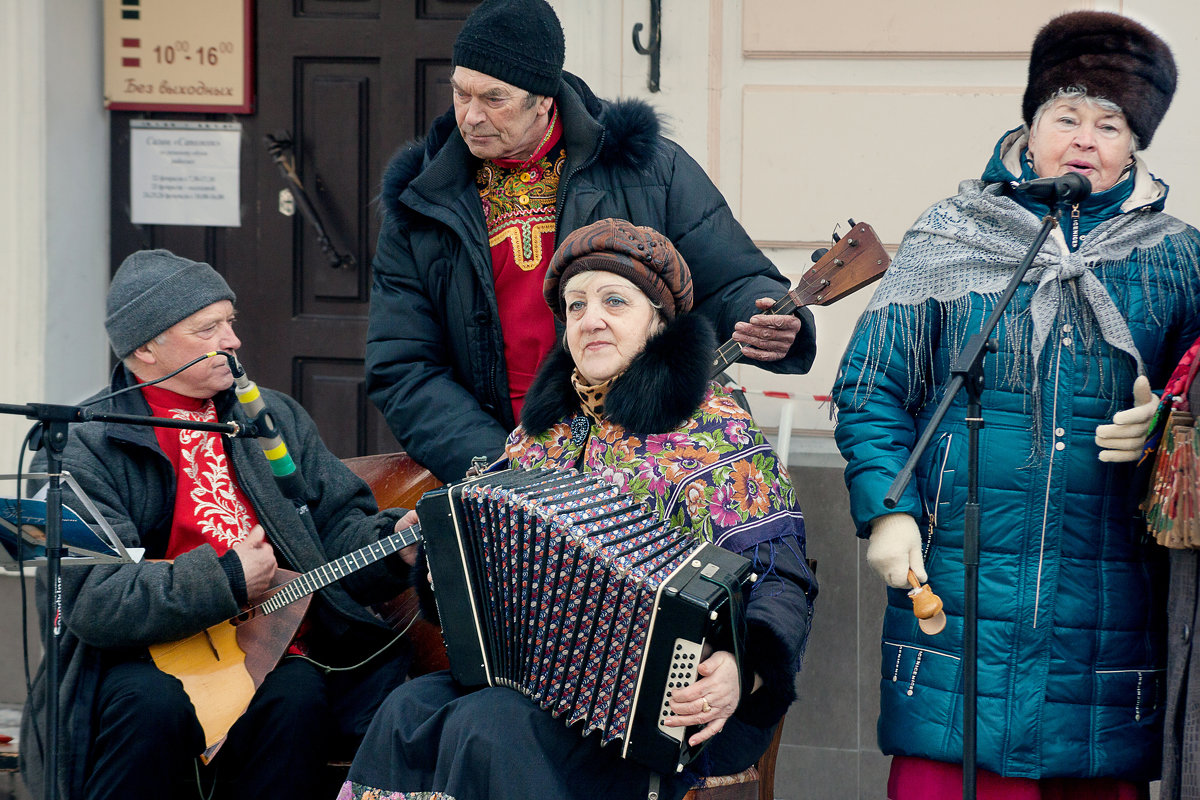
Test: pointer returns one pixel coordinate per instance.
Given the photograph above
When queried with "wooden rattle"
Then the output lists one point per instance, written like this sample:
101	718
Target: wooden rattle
927	607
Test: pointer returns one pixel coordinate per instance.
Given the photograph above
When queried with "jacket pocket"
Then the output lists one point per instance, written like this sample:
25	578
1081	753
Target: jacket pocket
1130	693
903	665
920	688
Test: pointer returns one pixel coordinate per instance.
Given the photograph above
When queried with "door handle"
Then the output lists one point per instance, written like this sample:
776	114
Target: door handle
281	148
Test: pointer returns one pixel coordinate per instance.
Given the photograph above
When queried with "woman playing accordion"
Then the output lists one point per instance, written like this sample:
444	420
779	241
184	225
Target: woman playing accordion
627	398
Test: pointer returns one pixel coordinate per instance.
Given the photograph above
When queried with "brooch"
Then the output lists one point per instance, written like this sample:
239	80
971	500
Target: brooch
580	428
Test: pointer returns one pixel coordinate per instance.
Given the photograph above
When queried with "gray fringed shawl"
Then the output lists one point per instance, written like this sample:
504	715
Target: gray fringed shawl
971	243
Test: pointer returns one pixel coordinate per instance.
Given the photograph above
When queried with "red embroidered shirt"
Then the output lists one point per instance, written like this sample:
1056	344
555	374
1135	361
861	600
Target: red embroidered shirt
210	507
519	209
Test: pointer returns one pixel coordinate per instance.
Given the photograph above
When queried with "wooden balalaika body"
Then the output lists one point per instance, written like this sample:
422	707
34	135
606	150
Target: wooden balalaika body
556	585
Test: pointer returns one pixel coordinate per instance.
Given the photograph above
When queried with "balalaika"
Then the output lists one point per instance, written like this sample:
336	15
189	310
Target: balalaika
559	586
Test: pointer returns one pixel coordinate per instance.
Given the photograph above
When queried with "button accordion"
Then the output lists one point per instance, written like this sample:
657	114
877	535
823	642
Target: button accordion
557	585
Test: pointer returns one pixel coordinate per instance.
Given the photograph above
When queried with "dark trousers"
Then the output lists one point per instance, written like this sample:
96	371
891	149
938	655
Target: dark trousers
148	739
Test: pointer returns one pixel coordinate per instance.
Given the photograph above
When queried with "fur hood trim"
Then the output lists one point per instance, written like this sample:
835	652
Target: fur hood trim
631	130
663	386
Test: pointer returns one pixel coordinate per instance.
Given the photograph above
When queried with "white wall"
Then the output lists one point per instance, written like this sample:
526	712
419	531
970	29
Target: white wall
77	191
53	208
22	214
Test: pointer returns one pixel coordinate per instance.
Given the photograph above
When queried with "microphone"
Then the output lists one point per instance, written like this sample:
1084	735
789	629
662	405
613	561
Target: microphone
1069	189
262	425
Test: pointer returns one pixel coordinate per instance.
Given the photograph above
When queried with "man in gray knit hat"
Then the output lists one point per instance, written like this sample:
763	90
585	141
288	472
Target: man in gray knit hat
215	526
526	155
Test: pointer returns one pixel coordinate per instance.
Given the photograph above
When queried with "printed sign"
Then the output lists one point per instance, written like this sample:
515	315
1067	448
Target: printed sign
178	55
184	173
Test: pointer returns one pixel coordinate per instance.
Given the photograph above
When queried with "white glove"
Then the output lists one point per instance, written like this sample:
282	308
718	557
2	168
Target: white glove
895	548
1123	440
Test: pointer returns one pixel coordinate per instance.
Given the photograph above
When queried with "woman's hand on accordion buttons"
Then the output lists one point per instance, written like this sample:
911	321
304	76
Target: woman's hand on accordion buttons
709	701
409	554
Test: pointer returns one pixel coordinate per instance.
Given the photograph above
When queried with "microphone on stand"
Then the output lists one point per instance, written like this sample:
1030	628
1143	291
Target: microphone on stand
1069	189
262	425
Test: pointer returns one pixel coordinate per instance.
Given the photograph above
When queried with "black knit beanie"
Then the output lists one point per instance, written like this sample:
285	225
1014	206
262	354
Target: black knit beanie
153	290
1110	56
516	41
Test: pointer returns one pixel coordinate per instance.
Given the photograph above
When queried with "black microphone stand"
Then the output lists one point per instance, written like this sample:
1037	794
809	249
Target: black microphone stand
967	372
53	420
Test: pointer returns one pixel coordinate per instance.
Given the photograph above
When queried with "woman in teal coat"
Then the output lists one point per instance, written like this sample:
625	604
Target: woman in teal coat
1071	653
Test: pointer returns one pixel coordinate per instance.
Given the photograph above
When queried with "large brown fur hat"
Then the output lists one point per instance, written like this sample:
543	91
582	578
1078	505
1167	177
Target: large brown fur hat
1110	56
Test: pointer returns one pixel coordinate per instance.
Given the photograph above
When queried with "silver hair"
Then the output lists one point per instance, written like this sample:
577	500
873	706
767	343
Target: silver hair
1078	94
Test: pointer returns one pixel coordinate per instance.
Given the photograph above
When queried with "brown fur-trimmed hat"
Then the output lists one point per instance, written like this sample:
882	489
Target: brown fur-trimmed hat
1110	56
641	255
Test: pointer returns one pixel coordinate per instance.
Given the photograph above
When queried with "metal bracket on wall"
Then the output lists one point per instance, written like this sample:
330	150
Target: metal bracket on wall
280	146
654	49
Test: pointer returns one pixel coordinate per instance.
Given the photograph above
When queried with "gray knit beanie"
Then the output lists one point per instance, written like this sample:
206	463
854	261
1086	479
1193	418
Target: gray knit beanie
153	290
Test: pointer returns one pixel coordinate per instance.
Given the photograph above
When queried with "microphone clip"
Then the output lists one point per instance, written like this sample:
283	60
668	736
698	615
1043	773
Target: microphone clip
1069	189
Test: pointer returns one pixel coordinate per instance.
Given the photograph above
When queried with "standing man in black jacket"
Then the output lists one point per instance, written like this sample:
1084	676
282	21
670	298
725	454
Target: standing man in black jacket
526	155
214	525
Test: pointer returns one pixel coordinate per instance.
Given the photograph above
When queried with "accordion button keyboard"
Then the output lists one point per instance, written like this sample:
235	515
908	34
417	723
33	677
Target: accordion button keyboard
684	661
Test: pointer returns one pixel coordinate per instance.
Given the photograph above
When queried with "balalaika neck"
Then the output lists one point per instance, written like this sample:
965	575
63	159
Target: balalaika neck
326	574
731	351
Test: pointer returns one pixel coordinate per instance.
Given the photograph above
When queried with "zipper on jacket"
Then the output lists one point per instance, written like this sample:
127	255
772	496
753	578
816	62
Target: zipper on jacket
560	201
932	511
1050	461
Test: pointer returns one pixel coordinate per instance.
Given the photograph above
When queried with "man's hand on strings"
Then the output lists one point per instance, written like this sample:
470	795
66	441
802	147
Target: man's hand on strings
409	554
258	561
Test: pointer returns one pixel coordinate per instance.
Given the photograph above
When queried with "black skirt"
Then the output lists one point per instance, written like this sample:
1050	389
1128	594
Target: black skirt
433	739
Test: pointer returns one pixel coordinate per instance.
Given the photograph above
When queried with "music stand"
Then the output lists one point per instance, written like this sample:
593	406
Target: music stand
76	554
53	421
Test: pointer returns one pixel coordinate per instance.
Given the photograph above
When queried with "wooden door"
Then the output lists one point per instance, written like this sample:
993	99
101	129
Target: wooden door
349	81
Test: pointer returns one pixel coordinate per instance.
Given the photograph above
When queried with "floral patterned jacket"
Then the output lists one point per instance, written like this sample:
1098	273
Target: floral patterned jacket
711	470
715	474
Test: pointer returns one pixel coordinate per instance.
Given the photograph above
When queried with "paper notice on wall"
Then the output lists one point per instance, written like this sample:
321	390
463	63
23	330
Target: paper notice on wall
184	173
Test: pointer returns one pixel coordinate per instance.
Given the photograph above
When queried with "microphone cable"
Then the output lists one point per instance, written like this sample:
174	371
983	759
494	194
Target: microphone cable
168	376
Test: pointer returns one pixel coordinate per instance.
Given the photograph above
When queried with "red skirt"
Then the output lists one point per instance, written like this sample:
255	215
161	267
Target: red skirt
922	779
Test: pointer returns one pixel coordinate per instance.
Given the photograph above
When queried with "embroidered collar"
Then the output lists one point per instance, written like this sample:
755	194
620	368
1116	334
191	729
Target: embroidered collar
165	398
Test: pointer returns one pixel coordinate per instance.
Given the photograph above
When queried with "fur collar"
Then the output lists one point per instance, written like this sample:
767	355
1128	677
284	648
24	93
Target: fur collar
662	387
629	131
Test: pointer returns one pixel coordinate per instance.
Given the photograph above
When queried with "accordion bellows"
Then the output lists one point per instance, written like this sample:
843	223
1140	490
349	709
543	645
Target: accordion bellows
557	585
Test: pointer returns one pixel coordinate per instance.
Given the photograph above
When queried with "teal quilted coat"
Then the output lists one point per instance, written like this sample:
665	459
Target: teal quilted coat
1071	594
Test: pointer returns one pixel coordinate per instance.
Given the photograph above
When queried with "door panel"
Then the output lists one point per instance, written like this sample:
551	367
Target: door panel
350	81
